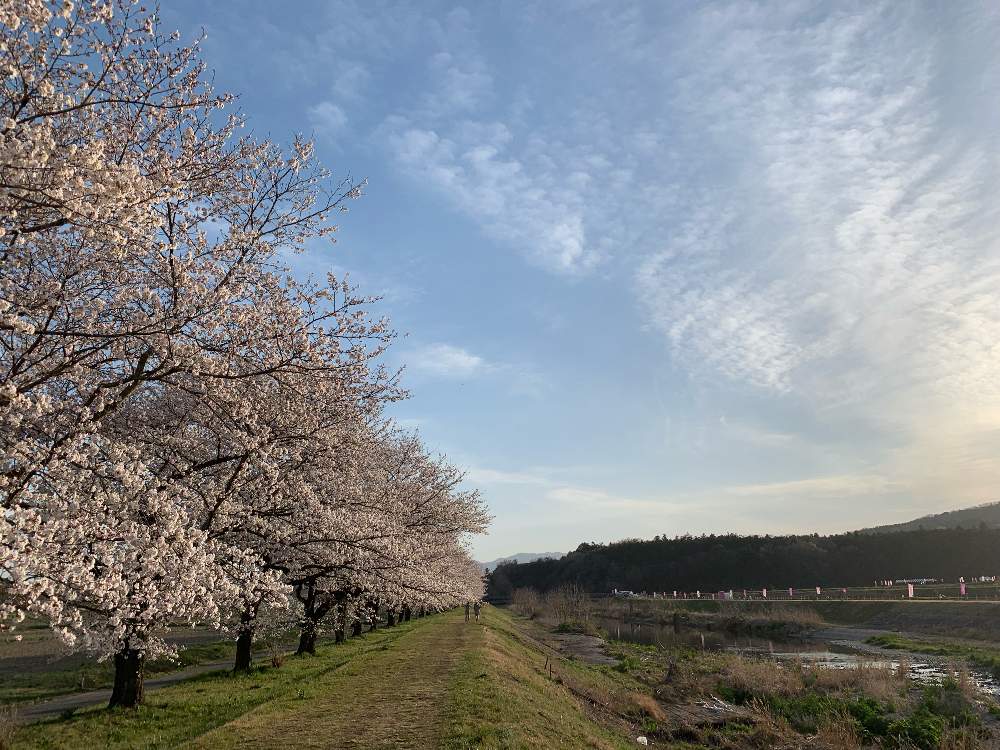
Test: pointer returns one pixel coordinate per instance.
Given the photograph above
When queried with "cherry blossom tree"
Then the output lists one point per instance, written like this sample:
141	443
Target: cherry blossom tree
139	241
188	434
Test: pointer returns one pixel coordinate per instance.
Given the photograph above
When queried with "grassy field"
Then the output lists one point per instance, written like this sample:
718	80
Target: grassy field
40	682
433	682
440	682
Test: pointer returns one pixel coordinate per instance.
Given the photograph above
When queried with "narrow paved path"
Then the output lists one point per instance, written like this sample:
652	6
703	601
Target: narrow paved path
388	697
30	712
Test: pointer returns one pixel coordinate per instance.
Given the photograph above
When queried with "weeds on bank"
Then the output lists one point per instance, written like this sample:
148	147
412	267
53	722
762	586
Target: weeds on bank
786	701
851	708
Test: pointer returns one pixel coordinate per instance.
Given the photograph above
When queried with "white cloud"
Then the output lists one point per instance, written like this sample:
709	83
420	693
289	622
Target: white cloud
351	80
327	119
476	168
835	487
446	361
482	475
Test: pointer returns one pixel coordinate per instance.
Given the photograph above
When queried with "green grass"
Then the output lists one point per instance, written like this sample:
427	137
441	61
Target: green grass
433	682
502	695
922	725
32	685
182	712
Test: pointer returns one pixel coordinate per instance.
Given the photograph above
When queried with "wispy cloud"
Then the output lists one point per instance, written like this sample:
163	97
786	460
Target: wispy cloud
327	119
446	361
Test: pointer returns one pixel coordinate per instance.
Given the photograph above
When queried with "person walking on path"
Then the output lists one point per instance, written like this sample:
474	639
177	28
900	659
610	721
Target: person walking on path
467	611
477	606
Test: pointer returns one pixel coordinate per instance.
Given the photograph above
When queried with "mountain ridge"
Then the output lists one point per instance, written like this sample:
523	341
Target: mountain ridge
967	518
521	558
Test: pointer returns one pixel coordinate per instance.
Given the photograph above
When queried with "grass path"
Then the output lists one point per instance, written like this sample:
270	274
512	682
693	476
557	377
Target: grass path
436	682
388	697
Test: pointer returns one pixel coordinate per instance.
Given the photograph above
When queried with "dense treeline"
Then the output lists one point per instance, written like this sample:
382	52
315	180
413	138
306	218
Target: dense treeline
712	563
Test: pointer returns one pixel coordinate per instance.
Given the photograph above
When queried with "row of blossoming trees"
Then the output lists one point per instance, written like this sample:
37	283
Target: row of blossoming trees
188	434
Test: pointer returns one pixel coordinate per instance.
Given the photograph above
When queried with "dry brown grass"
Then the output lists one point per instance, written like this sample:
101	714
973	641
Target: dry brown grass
963	739
798	615
8	726
646	705
879	682
837	734
769	727
762	676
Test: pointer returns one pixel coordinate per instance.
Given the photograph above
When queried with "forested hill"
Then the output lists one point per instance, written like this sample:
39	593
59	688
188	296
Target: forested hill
713	563
968	518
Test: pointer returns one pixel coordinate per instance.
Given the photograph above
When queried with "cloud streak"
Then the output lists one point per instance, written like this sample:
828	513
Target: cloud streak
446	361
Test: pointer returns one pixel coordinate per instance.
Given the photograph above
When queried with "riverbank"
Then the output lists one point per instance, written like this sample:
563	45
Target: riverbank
971	620
432	682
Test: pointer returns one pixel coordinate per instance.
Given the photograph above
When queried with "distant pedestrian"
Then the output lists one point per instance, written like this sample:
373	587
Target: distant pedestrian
467	605
477	606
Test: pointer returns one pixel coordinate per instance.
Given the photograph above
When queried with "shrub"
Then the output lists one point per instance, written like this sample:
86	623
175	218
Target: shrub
526	602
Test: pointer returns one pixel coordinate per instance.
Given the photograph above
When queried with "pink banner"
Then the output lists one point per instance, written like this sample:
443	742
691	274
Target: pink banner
961	588
909	590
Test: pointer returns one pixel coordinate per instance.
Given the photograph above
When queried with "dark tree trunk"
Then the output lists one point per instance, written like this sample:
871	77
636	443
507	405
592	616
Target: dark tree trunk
244	642
128	687
244	650
373	605
356	628
307	639
340	621
390	618
307	636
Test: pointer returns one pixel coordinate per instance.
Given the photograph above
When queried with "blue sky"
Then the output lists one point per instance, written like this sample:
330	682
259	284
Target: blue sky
663	267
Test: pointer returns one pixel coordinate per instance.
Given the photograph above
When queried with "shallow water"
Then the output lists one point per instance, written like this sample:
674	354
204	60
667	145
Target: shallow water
824	656
922	672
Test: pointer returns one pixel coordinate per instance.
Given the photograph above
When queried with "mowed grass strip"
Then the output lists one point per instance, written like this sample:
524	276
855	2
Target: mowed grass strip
175	715
390	697
503	697
40	684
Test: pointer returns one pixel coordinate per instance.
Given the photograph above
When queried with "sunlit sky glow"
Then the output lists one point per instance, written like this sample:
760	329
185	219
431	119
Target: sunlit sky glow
664	267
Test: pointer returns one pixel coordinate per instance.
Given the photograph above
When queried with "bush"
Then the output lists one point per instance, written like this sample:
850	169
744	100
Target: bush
923	729
575	626
526	602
